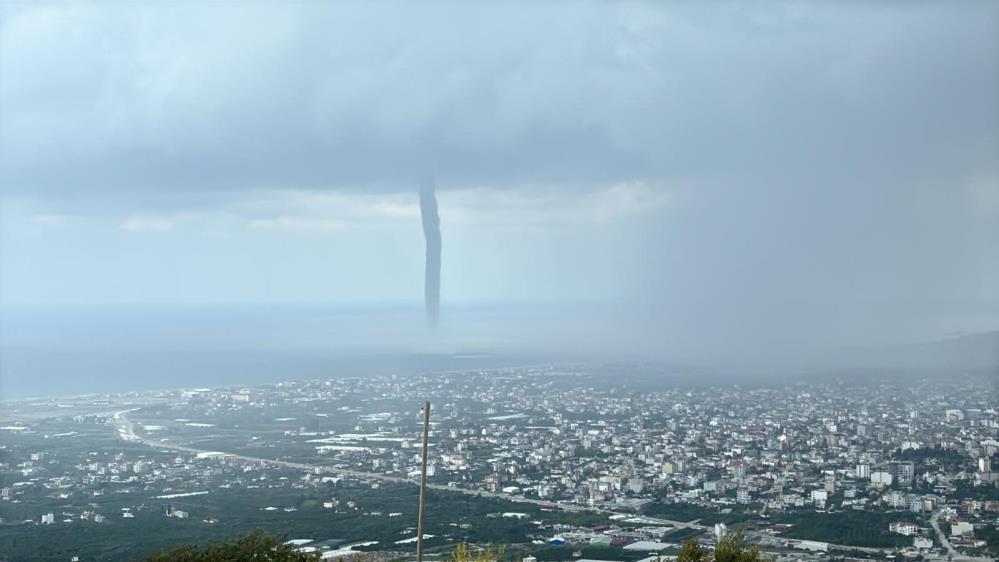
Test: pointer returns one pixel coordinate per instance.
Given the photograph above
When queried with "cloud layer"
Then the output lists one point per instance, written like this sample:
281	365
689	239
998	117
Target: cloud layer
765	172
127	98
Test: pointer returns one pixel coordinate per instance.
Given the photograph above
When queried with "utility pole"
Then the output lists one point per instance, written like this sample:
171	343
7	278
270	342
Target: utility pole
423	482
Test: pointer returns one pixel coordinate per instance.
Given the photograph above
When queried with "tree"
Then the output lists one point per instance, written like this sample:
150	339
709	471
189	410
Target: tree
731	548
692	552
258	546
461	553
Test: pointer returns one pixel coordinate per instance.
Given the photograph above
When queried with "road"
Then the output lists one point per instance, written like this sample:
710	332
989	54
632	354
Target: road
126	431
952	553
943	539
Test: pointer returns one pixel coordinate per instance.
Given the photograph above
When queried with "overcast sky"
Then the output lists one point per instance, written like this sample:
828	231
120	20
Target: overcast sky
770	172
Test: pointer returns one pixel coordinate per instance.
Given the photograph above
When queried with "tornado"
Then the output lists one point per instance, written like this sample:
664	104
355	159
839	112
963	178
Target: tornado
432	234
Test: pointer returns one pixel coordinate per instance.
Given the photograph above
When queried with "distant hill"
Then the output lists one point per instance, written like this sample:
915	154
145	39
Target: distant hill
974	352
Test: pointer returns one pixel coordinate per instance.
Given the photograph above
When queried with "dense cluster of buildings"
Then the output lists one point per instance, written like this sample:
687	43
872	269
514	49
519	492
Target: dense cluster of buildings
918	451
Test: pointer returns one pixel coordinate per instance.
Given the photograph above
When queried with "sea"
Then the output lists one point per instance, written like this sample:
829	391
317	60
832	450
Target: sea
70	350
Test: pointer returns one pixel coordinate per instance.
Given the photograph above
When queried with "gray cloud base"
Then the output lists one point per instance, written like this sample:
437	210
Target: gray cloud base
117	98
834	165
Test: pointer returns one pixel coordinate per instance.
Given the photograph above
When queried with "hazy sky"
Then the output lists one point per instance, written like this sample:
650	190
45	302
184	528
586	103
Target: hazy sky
764	172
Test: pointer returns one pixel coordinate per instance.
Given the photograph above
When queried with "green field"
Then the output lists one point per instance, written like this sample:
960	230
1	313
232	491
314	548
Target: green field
236	503
849	527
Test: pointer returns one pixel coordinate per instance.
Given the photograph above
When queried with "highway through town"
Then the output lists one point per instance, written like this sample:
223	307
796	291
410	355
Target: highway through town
126	431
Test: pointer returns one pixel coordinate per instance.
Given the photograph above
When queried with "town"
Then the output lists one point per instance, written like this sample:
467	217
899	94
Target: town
557	461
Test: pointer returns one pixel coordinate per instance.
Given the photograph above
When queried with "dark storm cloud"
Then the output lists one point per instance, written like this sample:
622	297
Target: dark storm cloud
831	168
142	99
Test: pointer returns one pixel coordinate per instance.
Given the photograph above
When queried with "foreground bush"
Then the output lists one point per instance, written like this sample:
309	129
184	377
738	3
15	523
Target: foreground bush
462	553
729	549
